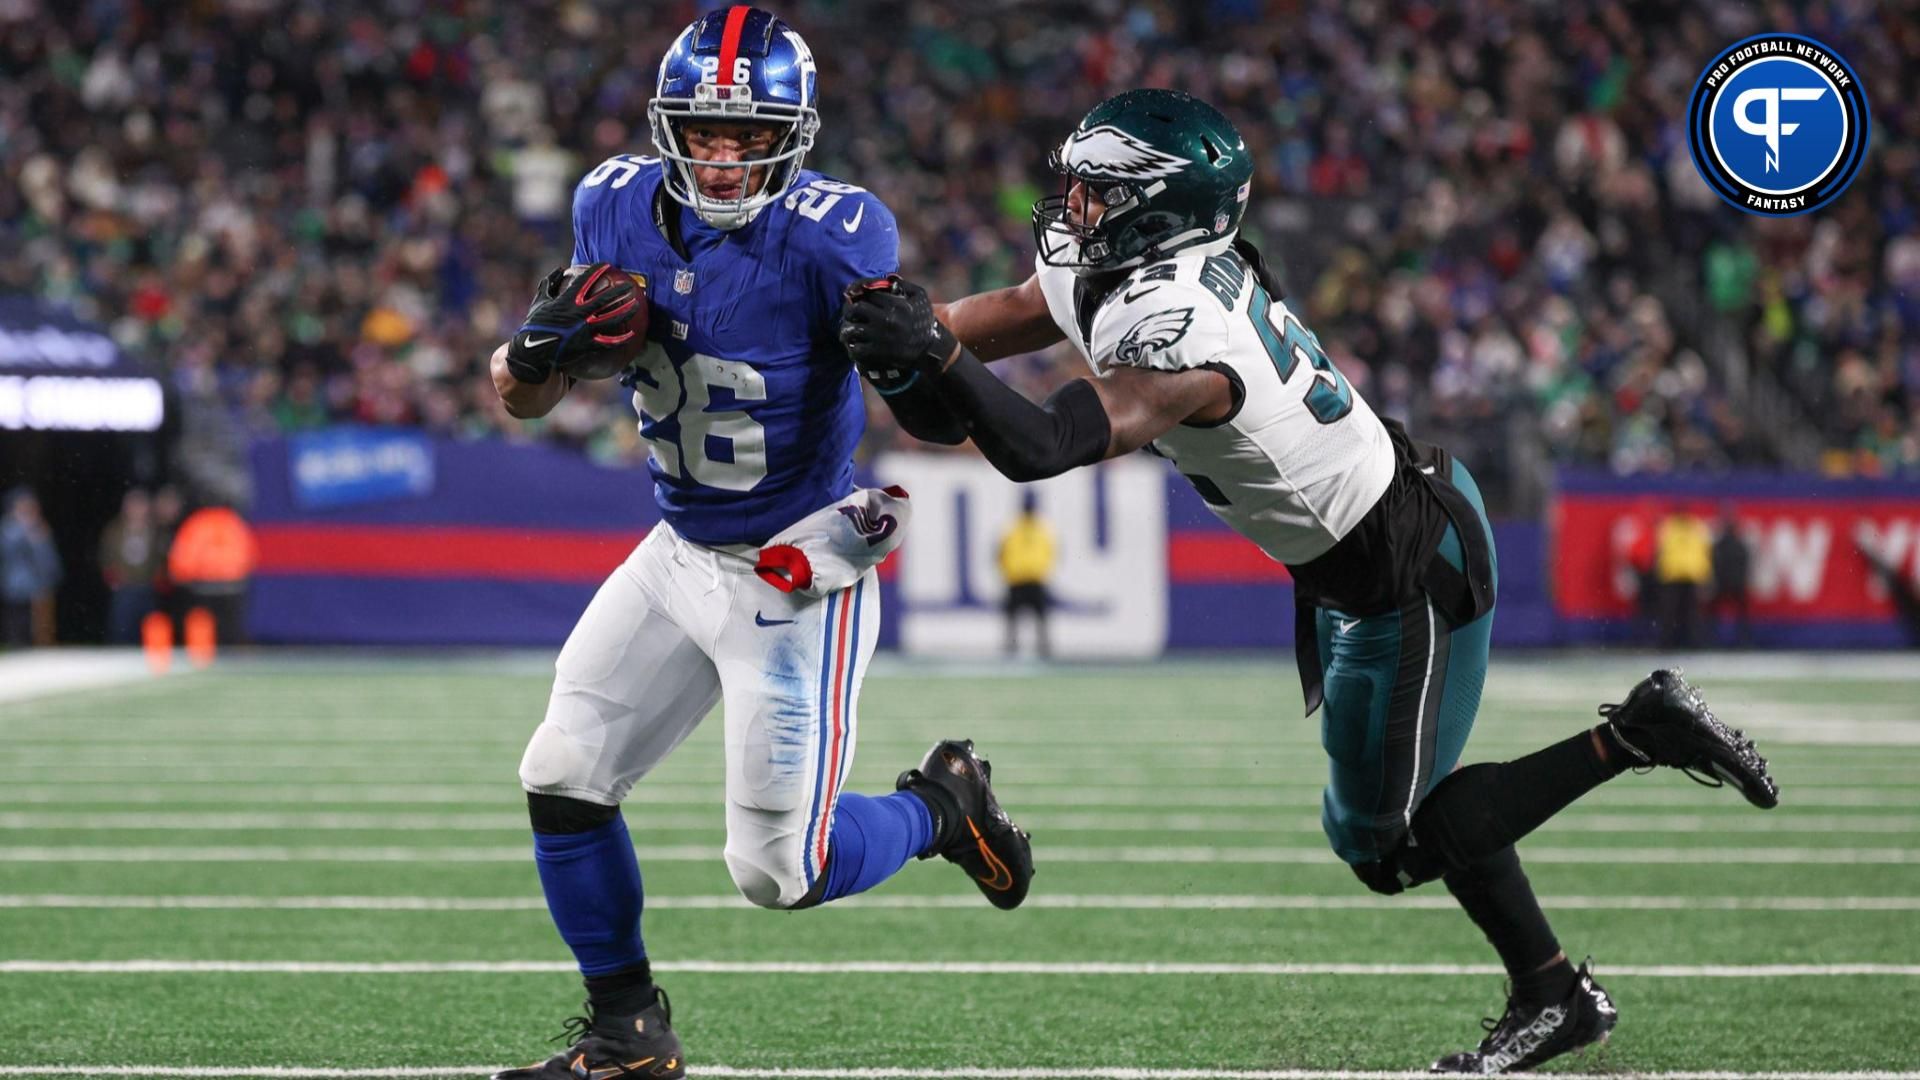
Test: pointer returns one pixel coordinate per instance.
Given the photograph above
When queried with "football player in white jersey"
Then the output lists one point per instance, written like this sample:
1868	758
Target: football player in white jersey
1196	358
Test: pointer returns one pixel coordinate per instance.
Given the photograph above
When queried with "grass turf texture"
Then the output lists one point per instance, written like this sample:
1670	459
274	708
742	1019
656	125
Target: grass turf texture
381	755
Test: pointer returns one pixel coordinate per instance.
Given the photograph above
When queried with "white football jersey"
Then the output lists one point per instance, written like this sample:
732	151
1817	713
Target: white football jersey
1302	458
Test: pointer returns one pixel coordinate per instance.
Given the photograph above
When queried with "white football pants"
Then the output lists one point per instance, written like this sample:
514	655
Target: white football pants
677	627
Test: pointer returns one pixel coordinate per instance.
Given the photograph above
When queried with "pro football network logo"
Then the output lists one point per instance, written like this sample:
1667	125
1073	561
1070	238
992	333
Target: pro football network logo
1778	124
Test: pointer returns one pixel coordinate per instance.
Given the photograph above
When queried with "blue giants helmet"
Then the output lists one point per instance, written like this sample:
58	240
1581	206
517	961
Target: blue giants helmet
739	64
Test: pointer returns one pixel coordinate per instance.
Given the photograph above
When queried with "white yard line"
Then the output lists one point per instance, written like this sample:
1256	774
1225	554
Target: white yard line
905	967
870	1073
1060	902
1235	1074
713	820
1118	854
1674	792
44	672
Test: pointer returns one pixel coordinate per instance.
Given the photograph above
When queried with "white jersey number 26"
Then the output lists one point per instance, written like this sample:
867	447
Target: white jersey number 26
687	390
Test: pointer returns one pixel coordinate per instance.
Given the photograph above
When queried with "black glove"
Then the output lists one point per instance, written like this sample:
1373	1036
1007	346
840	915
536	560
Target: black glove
888	328
566	324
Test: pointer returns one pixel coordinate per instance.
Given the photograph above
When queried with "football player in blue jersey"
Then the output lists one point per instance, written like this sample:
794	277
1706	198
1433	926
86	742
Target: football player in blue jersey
752	410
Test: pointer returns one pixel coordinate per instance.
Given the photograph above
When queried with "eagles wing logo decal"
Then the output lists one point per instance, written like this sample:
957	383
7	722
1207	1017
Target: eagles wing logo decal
1156	333
1107	153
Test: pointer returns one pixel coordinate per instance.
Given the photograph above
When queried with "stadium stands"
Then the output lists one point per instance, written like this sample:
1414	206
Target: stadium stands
323	212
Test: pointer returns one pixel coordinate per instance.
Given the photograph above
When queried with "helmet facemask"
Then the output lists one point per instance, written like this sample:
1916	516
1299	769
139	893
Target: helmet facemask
1086	247
730	104
1129	232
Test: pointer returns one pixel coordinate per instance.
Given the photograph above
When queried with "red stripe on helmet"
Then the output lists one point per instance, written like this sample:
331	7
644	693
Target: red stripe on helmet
730	42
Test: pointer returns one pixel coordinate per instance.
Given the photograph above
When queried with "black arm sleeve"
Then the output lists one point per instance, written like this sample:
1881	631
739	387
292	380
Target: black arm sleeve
1023	440
921	413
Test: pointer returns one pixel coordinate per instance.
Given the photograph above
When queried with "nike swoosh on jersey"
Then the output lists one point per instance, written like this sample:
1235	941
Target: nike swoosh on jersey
852	224
1347	627
1129	298
762	620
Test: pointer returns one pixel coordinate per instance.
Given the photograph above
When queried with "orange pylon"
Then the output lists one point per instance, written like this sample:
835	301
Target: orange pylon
200	637
156	637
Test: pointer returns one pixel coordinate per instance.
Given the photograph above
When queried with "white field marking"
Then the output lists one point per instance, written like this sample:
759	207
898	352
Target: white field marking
911	967
714	821
267	1072
1706	667
296	1072
46	672
943	902
1234	1074
1120	854
1293	796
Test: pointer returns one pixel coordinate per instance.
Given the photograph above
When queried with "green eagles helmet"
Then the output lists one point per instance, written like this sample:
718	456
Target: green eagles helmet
1171	170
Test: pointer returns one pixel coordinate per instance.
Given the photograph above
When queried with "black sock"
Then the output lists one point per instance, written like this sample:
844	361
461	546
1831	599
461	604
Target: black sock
1548	986
1499	899
945	812
1480	809
626	992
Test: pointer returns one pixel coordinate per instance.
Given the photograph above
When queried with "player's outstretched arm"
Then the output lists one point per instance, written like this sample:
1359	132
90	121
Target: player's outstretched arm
1003	322
892	328
525	400
1085	421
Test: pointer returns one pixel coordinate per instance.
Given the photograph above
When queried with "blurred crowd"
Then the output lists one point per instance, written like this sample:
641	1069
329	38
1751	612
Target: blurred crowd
158	557
333	211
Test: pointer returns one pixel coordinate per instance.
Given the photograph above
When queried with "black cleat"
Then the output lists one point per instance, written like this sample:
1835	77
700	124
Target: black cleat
1528	1036
969	827
639	1047
1665	721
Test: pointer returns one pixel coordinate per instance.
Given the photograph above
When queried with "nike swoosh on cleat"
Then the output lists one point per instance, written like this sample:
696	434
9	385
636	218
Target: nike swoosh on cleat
852	224
762	620
1002	878
1347	627
529	342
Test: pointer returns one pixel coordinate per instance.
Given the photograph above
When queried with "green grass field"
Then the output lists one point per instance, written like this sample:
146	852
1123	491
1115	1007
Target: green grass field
285	867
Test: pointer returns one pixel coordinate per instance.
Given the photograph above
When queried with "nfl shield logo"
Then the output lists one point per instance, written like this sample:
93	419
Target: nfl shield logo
683	282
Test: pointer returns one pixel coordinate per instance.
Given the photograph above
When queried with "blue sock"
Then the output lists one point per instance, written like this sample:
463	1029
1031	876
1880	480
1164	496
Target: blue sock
872	839
592	882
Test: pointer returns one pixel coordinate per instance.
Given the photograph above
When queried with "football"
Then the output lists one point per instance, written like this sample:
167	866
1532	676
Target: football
607	362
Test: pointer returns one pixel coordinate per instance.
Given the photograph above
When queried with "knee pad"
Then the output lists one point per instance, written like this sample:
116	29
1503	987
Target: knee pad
764	887
1407	866
560	814
1381	876
555	760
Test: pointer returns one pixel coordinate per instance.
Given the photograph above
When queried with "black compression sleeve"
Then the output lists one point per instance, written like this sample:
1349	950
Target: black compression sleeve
917	406
1023	440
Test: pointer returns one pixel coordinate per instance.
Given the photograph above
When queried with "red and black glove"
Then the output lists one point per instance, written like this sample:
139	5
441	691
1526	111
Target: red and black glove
577	312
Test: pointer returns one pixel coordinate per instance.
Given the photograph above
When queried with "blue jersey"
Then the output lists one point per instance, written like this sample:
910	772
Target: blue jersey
750	405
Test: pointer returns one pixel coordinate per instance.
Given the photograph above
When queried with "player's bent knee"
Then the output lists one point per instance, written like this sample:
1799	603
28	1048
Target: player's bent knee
1381	876
1405	867
763	887
555	762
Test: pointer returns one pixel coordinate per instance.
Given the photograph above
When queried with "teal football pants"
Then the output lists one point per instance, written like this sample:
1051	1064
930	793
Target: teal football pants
1401	693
